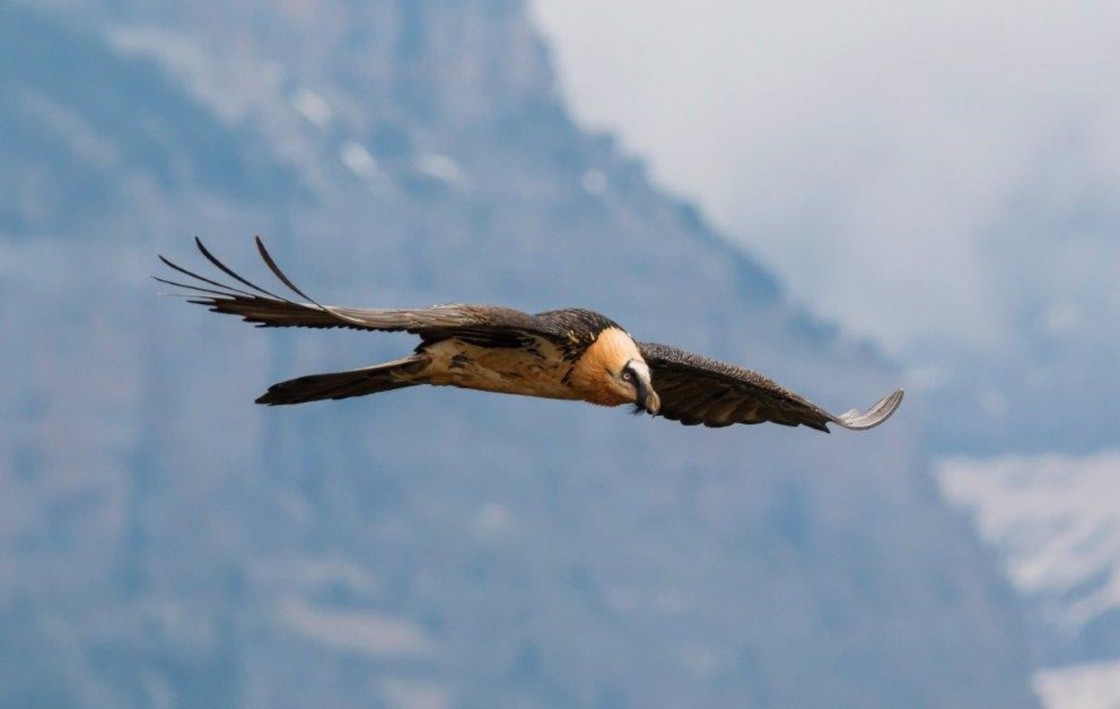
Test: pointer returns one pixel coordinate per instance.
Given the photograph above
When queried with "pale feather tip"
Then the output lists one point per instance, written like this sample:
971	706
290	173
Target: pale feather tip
877	414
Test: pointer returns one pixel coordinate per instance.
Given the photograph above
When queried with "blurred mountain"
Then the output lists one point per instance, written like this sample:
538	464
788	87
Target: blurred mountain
163	542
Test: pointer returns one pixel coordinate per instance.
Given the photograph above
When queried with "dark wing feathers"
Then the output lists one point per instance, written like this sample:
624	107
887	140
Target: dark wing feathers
697	390
267	309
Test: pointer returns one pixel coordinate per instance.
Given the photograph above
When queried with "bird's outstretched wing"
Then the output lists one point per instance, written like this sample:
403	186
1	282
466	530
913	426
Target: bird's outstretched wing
697	390
267	309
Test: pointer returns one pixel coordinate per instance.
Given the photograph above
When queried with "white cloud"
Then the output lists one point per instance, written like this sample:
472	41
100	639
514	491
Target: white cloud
868	150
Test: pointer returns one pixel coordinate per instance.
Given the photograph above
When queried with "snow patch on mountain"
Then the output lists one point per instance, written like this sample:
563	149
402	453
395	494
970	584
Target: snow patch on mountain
1090	686
1055	522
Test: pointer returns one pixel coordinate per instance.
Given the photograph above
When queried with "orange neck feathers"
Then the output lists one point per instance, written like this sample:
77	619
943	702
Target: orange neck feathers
593	375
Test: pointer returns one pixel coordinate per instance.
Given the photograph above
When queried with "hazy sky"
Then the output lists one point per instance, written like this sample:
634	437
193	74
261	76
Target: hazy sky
912	168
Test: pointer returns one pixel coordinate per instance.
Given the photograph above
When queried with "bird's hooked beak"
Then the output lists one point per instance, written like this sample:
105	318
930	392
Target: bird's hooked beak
647	399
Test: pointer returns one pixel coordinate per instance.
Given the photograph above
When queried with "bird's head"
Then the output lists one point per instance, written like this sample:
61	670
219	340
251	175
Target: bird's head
635	378
612	372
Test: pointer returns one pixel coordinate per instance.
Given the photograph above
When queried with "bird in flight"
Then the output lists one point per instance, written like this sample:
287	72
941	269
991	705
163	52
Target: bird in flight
573	354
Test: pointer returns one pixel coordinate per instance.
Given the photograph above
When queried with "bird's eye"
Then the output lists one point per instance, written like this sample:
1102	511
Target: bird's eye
627	375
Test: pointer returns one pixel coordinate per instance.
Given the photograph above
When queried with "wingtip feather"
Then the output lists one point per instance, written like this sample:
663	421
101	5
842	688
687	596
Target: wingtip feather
882	410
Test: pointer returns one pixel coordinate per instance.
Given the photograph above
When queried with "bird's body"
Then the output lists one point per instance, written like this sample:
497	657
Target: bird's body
539	367
536	366
573	354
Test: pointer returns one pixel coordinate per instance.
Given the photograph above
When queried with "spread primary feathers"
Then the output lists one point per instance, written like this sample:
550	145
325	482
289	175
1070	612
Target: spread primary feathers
560	354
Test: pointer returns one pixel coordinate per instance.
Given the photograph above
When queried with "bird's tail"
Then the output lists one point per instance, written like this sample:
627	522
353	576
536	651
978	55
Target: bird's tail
397	374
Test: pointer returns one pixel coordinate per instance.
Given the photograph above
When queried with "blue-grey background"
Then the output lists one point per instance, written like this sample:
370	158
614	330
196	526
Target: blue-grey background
163	542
